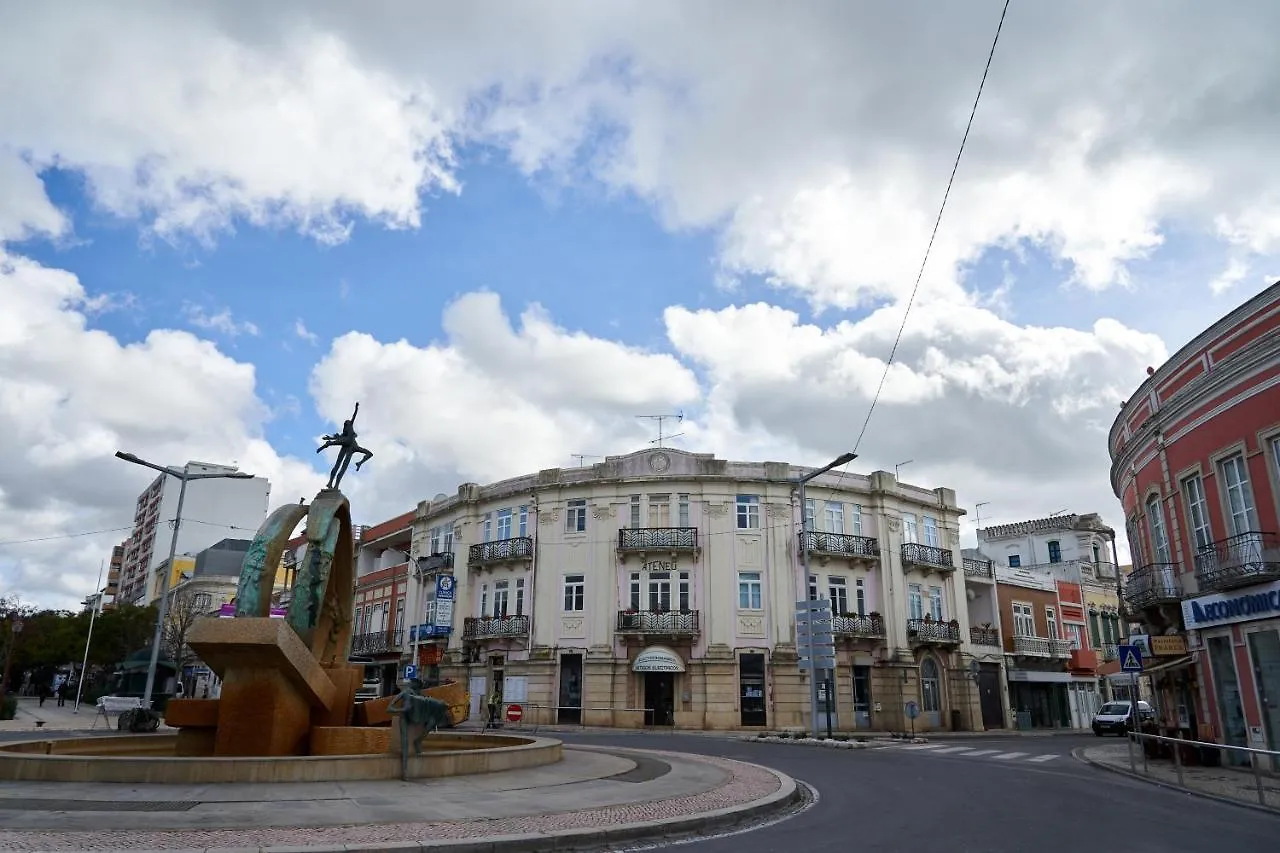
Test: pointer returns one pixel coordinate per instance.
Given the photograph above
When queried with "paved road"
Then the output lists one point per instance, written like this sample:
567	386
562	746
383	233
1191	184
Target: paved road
898	800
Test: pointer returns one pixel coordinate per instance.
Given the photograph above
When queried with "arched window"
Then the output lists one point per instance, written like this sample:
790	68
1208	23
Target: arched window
930	688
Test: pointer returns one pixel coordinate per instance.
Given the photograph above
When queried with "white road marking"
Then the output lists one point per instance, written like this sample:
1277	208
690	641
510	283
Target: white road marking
954	749
916	746
1007	756
1043	758
978	752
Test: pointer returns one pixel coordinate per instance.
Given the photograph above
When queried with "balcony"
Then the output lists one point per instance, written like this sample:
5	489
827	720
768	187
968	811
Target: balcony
827	545
377	643
497	627
1041	647
1151	585
926	558
984	636
977	568
926	632
435	562
501	551
669	623
1082	659
1242	560
869	627
635	540
1104	571
1110	651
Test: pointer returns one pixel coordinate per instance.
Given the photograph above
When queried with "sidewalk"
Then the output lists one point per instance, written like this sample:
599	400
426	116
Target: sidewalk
1223	783
53	718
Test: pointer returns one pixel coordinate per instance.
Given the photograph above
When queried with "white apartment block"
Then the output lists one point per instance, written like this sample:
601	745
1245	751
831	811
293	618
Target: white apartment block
659	588
214	509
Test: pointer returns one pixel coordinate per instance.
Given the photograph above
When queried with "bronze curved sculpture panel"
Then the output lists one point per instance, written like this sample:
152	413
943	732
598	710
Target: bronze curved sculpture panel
258	573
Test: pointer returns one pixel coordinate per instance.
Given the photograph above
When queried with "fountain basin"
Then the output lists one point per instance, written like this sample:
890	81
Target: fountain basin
152	759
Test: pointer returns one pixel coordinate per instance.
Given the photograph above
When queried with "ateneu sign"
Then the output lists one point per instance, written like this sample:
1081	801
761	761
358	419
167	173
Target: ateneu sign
1226	608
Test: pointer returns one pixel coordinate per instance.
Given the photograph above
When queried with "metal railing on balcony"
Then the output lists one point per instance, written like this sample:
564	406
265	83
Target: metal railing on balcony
1241	560
839	544
1033	647
487	553
1152	584
974	568
377	642
435	562
1060	648
484	628
928	631
672	623
926	556
658	539
1110	651
1104	570
858	626
984	636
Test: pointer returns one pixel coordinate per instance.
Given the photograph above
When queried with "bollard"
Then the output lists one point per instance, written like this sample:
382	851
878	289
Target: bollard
1133	768
1177	762
1257	778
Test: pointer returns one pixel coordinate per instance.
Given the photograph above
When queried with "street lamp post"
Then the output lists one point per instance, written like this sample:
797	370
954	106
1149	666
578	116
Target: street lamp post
93	616
183	475
842	459
15	628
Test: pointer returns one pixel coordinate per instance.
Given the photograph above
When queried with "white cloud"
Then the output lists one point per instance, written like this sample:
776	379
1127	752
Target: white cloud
300	329
220	321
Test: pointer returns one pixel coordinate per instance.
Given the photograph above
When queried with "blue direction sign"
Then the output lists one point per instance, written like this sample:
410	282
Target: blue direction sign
913	710
1130	659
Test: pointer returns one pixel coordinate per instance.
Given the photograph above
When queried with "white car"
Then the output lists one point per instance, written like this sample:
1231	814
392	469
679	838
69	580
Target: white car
1113	717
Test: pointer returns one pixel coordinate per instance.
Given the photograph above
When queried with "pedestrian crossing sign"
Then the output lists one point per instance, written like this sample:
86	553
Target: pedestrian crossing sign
1130	659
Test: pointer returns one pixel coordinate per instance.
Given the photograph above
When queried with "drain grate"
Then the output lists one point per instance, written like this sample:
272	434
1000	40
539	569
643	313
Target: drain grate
646	769
34	805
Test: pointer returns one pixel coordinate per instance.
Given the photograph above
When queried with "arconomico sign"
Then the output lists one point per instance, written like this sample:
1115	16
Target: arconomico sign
1245	605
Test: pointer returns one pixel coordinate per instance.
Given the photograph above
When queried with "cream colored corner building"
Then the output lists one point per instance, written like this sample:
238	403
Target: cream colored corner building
659	588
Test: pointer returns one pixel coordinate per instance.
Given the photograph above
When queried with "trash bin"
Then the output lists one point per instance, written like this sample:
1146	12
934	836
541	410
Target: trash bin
1023	719
955	720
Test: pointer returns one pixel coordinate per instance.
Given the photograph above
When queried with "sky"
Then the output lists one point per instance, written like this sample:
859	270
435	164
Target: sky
509	229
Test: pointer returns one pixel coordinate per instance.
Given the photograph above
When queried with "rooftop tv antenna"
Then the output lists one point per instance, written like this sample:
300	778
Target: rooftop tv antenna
583	457
662	419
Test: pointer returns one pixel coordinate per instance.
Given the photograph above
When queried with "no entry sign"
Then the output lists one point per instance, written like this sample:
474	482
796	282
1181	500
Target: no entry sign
514	713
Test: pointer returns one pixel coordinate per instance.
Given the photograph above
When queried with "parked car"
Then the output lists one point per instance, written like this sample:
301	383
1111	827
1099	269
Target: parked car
1114	717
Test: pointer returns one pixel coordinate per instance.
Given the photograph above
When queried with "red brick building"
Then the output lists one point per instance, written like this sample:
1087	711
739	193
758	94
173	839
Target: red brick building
1195	460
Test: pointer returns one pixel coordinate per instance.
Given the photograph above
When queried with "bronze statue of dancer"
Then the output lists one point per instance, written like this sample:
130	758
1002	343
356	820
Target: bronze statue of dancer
345	441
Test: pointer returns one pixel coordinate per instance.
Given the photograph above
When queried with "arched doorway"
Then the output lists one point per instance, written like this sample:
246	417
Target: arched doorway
931	692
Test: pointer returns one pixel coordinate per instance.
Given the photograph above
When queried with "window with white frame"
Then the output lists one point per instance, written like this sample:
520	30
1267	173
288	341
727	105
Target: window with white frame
935	602
684	595
524	521
487	525
833	516
635	512
1197	511
813	587
436	541
856	519
634	592
915	602
931	537
575	593
576	519
359	623
504	523
750	591
659	592
1242	514
838	588
519	596
501	598
860	593
1155	524
682	505
399	626
910	532
660	510
810	514
1051	620
748	512
1024	620
1073	635
484	600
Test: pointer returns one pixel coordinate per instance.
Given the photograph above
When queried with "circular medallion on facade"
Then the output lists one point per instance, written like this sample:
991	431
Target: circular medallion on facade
659	462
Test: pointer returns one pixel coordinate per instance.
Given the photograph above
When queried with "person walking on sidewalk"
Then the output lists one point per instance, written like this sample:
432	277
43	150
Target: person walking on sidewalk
43	692
62	694
494	701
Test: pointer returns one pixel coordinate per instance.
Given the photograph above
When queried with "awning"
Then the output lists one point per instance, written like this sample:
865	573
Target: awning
1173	664
657	659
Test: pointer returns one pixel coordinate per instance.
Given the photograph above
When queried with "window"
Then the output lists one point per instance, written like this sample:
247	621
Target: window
504	524
685	601
1155	522
635	512
810	514
1094	634
1073	635
634	598
856	518
935	602
915	603
1051	621
1097	553
519	596
861	593
683	505
909	531
748	512
1024	621
1055	551
575	593
1242	515
400	615
833	516
931	532
659	510
488	527
484	600
524	521
838	587
576	520
659	592
930	687
434	547
501	593
359	625
1015	560
447	540
813	587
750	591
1197	511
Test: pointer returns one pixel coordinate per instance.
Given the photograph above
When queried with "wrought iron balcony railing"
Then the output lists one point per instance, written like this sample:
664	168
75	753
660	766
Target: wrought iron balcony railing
501	551
658	539
1110	651
926	556
984	636
672	623
858	626
922	631
1060	648
839	544
1152	584
377	642
1104	570
1033	647
976	568
435	562
485	628
1241	560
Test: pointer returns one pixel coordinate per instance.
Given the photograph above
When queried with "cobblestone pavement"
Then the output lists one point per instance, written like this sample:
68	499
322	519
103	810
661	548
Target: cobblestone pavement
747	784
1233	784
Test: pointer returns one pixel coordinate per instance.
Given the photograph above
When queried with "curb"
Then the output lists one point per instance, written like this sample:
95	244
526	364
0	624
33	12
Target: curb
1078	755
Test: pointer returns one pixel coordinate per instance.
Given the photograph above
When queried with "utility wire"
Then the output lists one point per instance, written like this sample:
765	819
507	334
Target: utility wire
936	224
168	523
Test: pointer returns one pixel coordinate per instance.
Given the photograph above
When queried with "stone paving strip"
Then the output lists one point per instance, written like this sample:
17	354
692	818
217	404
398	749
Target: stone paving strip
1227	783
555	817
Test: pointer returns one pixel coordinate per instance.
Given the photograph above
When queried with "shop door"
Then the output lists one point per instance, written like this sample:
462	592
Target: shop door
659	699
751	699
862	697
989	696
1226	687
1264	649
570	704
